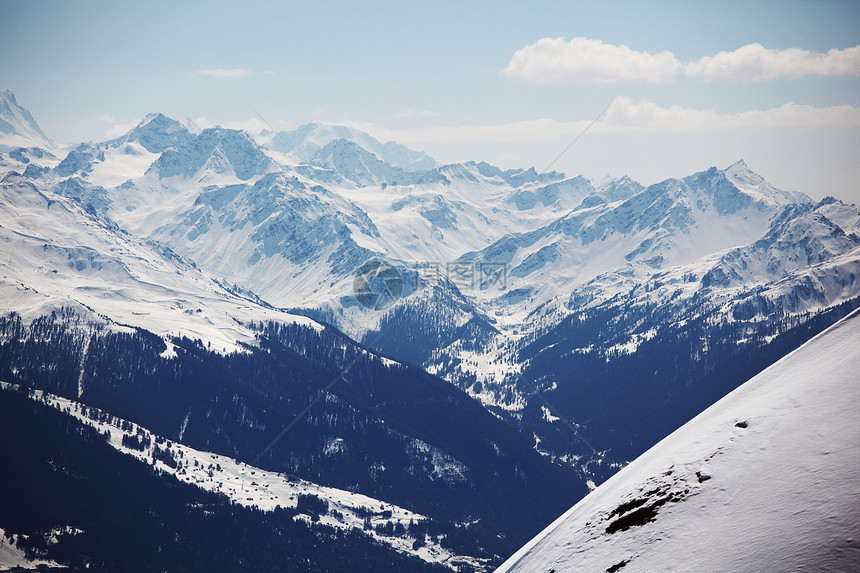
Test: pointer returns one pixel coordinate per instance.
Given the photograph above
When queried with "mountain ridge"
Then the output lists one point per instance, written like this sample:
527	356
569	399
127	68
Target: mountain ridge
305	141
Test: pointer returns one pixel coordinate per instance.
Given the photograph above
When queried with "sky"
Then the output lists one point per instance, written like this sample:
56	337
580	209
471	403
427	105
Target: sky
647	89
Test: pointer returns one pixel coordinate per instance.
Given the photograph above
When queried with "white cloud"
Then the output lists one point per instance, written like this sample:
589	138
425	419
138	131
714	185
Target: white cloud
517	132
625	115
253	125
233	73
553	60
204	122
754	62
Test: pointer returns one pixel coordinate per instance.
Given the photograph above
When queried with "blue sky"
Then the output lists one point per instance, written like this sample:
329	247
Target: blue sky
431	75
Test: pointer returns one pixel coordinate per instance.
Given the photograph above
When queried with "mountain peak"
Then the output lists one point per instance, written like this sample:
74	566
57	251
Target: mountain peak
215	147
353	162
754	185
307	140
17	126
156	132
8	95
150	117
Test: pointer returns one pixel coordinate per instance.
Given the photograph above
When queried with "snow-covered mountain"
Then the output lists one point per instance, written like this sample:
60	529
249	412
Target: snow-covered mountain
18	128
676	339
297	234
165	148
766	479
672	223
551	233
304	142
61	256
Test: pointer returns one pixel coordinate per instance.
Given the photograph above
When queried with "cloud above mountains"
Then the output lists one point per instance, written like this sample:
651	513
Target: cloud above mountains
625	116
556	60
225	73
754	62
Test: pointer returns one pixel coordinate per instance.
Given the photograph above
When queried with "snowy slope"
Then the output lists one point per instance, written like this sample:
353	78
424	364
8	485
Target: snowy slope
758	188
55	254
766	479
